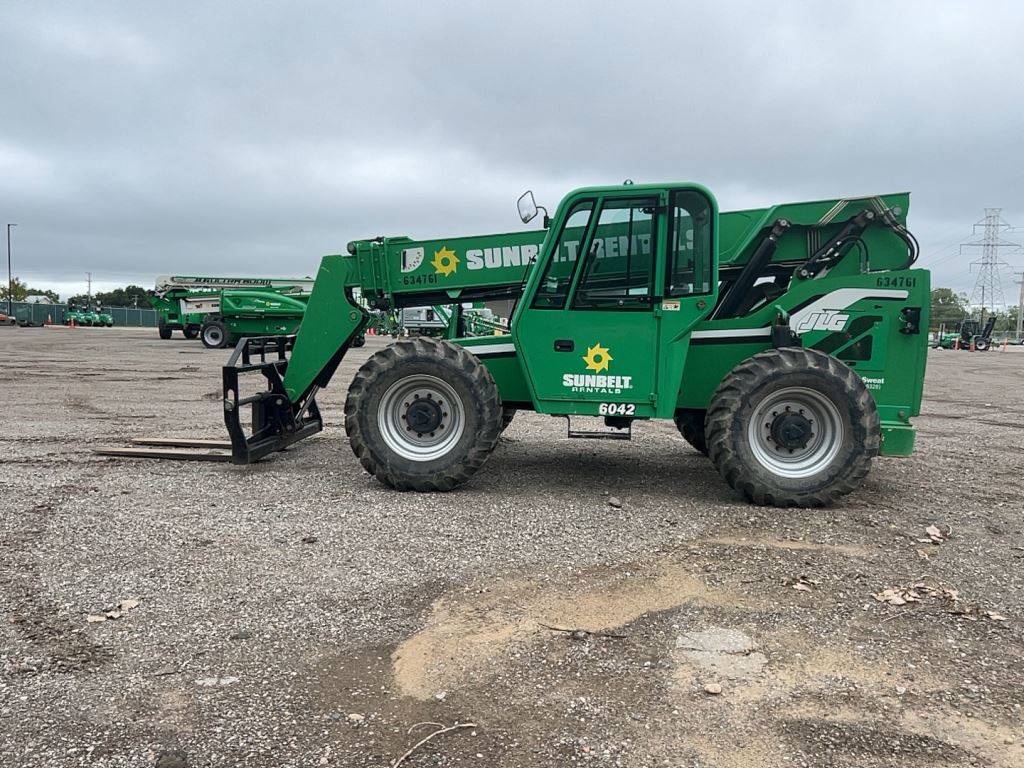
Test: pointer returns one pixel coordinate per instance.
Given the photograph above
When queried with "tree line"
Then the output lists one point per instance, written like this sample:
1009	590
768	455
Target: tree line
129	296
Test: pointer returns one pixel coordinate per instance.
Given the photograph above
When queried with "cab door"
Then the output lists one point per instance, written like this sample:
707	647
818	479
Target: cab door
607	326
589	337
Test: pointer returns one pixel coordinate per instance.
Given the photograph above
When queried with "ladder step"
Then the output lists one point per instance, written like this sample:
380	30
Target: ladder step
600	435
613	433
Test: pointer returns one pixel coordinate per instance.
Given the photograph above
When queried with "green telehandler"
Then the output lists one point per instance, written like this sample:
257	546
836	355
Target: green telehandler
970	335
785	342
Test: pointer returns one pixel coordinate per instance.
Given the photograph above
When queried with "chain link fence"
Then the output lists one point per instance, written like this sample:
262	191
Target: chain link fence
41	314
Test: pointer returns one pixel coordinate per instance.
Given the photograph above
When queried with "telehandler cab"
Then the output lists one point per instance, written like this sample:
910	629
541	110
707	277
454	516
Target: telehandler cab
784	342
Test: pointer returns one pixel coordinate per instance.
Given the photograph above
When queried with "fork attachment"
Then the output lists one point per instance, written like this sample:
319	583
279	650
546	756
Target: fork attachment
277	422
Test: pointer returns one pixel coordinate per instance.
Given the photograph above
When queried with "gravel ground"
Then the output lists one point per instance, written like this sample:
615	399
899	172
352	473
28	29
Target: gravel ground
297	613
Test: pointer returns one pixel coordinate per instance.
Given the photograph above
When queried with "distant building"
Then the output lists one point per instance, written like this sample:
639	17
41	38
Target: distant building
38	299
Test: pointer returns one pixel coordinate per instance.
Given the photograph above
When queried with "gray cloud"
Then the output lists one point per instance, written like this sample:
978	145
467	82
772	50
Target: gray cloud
139	138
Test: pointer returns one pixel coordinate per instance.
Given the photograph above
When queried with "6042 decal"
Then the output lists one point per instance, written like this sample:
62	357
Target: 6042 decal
616	409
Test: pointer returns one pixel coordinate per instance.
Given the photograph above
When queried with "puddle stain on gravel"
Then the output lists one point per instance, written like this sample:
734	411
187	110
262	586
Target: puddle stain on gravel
30	611
465	634
852	550
937	736
793	701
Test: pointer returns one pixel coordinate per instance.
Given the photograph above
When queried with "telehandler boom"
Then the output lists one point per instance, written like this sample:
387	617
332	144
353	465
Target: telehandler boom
784	342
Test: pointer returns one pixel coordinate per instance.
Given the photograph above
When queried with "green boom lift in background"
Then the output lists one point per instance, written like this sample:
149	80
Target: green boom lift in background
785	342
221	310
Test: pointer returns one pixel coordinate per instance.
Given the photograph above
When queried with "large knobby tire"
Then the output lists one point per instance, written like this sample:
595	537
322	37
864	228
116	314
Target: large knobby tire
191	331
429	385
164	331
793	428
690	423
214	335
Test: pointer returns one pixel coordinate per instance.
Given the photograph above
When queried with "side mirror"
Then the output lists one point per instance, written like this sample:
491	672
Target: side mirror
527	207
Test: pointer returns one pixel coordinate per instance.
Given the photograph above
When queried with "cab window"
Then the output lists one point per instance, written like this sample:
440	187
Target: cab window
688	267
620	258
554	285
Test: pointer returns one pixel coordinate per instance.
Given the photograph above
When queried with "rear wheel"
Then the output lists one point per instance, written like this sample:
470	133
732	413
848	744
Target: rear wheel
214	335
793	427
690	423
164	331
423	415
191	331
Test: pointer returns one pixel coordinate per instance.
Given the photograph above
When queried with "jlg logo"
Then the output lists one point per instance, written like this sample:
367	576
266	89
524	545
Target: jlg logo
825	320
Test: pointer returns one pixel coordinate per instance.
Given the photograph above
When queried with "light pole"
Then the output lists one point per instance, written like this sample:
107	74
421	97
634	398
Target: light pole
10	280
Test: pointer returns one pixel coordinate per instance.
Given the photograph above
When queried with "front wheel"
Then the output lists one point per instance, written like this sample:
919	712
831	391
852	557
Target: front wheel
190	331
214	335
423	415
793	427
165	332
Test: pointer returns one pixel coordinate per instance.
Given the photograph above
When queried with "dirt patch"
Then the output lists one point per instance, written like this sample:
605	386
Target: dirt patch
464	634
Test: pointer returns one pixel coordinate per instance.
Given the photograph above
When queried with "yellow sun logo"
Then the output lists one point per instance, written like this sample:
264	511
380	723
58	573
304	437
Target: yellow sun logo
597	358
445	261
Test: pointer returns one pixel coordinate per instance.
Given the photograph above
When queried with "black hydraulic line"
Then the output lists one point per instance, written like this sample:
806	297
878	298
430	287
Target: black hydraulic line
913	248
737	292
837	246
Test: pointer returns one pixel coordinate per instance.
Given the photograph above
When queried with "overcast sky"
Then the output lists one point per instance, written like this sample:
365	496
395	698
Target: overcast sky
144	138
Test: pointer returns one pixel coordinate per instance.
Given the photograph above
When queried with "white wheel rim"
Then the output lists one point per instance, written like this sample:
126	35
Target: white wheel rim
796	461
213	335
400	413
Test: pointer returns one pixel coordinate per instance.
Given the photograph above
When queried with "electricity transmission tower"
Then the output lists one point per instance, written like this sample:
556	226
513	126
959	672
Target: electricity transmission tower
988	288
